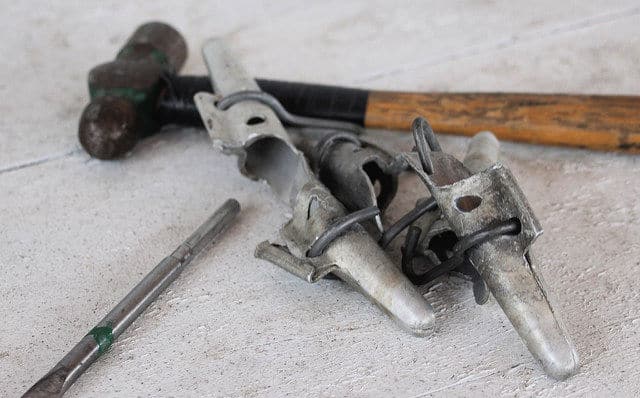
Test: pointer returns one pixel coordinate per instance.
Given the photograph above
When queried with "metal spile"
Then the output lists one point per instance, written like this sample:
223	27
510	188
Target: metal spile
251	130
475	202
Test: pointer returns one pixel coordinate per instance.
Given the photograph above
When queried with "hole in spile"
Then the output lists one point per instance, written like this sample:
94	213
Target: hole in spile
467	203
254	120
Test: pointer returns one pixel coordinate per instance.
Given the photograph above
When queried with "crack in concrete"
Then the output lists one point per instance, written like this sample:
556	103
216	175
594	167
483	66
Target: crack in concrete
37	162
464	380
507	42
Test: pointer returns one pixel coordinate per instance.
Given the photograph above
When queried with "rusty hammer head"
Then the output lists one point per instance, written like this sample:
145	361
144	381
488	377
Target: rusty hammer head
124	92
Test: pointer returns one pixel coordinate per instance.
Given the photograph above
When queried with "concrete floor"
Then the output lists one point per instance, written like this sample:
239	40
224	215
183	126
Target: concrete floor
77	233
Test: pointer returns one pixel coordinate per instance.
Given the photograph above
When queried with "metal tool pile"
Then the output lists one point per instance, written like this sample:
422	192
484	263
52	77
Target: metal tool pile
477	222
336	226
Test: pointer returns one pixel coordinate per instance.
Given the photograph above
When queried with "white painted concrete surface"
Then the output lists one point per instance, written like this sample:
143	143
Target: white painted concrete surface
76	233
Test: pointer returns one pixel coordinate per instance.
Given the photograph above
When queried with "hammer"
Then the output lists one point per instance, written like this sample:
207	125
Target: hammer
140	91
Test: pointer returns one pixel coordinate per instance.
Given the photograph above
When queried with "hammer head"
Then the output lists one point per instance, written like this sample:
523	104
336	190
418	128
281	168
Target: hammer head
125	92
108	127
158	42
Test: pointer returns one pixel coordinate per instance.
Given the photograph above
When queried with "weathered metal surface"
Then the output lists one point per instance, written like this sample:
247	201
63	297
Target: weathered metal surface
437	240
124	92
359	175
251	130
471	202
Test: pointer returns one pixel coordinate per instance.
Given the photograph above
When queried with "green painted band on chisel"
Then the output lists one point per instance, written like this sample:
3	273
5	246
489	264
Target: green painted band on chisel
136	96
103	335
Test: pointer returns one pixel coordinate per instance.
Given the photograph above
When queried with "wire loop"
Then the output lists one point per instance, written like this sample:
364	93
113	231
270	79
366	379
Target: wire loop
284	115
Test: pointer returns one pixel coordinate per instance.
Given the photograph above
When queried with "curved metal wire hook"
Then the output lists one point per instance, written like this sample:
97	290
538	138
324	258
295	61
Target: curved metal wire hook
325	143
426	142
437	269
406	220
339	227
409	254
284	115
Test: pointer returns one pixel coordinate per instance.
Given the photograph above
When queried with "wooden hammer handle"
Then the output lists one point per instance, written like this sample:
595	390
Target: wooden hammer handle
599	122
609	123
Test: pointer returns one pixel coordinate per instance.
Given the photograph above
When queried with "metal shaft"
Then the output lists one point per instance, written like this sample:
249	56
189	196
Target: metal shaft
483	151
100	338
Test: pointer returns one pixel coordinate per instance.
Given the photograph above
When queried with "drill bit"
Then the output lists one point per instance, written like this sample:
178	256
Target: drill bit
99	339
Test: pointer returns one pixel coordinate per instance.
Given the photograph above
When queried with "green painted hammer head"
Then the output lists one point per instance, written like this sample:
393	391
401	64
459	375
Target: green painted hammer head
125	92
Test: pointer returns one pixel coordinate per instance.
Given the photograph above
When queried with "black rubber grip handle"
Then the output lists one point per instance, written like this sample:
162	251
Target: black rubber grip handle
320	101
314	100
176	104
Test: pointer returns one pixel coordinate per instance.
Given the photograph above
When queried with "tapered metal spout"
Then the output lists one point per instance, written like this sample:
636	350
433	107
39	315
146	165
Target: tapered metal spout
252	131
472	203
